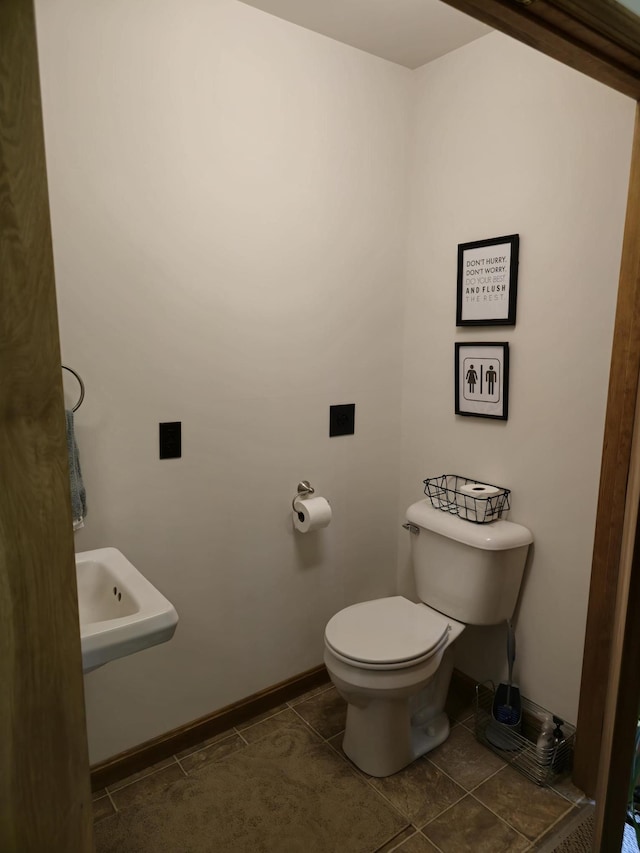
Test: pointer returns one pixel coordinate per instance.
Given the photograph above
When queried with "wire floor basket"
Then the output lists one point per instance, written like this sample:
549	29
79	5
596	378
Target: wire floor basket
445	493
517	745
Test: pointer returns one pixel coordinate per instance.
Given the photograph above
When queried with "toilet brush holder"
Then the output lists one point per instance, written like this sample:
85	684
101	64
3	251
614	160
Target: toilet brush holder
518	744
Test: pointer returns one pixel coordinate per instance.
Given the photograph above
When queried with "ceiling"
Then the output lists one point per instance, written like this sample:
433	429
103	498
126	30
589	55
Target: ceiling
409	32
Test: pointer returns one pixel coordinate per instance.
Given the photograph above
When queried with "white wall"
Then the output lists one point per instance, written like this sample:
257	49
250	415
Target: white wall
228	198
506	141
231	217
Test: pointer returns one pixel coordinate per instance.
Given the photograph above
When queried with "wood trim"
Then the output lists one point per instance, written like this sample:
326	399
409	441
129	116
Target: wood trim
45	800
616	455
611	19
191	734
623	689
559	34
568	43
133	760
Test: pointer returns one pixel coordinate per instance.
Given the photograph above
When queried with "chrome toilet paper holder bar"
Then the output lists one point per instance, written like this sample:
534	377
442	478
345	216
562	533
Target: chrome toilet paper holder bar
304	488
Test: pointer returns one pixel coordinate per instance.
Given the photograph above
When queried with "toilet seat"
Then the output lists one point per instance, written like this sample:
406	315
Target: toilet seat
387	633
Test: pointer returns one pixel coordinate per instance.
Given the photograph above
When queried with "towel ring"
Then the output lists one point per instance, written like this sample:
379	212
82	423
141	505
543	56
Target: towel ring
79	378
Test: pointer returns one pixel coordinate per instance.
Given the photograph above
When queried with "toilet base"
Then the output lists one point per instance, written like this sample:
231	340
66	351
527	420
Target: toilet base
389	730
389	755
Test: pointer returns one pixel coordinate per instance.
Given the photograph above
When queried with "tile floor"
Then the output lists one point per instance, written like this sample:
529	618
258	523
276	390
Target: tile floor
281	783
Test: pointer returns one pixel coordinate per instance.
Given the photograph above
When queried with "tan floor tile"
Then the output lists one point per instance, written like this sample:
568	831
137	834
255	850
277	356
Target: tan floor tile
464	759
95	795
102	807
159	765
581	821
284	720
394	843
214	752
148	788
288	792
420	791
557	830
417	844
568	790
326	713
469	827
336	743
521	803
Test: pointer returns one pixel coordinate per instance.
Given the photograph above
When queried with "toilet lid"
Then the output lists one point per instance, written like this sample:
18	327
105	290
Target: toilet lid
387	631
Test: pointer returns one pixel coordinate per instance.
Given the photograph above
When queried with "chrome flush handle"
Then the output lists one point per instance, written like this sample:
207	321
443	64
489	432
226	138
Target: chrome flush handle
412	528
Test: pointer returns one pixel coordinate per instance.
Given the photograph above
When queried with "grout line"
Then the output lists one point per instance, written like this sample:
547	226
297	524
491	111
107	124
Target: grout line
402	841
431	842
309	726
501	819
491	775
241	736
469	794
553	825
115	808
584	801
459	784
369	781
140	778
360	774
446	809
180	763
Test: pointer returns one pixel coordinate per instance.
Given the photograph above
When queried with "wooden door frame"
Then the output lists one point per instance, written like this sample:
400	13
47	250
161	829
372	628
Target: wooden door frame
45	798
602	40
590	36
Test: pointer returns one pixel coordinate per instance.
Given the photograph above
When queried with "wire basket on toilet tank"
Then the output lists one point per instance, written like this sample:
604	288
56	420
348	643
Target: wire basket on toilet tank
467	498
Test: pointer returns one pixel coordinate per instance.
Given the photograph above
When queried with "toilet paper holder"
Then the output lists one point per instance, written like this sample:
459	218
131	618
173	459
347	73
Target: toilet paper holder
304	488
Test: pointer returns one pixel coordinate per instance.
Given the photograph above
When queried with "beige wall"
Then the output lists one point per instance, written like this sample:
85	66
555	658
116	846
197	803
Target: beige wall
506	141
233	199
228	199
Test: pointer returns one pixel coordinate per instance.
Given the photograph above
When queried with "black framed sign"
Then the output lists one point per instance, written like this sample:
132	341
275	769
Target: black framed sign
482	380
488	282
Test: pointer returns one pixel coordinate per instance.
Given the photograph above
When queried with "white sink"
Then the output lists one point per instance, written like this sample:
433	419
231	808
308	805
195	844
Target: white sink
120	611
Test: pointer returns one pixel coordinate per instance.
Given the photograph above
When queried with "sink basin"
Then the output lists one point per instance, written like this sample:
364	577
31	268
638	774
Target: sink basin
120	611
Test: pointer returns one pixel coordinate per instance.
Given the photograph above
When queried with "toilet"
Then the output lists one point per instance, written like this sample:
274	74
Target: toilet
391	659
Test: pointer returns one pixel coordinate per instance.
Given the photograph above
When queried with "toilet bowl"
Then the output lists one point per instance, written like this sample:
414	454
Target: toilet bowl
391	659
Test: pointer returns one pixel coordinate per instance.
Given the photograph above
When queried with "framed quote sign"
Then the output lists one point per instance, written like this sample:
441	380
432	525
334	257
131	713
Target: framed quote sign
488	282
482	380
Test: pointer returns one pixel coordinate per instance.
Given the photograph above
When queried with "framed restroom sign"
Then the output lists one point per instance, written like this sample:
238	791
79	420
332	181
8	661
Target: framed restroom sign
482	380
488	282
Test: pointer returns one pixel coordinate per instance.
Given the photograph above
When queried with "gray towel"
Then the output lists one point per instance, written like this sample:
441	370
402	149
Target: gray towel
78	494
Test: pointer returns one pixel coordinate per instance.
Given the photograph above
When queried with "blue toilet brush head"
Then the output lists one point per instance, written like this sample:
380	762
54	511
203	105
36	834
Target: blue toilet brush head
507	704
507	707
507	715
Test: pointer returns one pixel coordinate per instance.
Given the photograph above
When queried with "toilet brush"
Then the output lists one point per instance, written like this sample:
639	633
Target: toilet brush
507	704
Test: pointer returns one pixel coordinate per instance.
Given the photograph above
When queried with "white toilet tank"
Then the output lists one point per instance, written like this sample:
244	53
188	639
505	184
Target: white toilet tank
471	572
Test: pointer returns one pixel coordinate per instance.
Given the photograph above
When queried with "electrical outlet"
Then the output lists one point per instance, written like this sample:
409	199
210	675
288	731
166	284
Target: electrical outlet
342	419
171	440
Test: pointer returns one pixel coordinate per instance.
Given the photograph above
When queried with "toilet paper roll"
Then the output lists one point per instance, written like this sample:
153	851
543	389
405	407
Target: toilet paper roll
311	514
480	490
